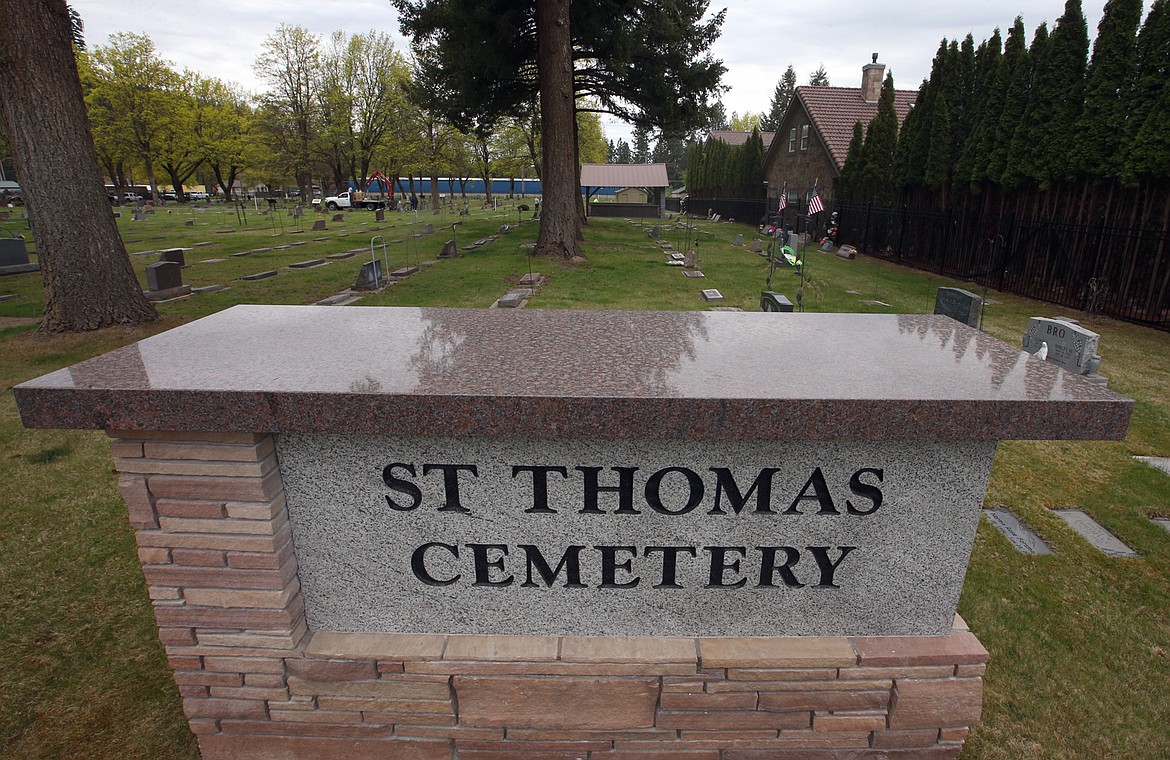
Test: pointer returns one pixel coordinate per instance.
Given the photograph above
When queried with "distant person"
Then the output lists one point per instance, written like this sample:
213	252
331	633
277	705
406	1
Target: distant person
413	202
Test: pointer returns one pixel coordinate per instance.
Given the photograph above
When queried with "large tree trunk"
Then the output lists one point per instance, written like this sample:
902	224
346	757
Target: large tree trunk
88	280
560	226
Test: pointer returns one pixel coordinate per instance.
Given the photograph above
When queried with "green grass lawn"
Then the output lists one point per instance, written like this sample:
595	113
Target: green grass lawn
1080	643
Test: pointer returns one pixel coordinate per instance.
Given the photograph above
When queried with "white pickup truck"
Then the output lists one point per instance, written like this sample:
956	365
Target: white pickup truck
351	199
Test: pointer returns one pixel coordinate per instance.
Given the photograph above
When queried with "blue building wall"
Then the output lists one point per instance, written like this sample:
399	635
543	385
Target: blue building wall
449	186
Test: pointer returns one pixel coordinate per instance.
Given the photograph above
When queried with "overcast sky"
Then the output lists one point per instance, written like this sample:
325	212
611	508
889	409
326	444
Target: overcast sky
760	38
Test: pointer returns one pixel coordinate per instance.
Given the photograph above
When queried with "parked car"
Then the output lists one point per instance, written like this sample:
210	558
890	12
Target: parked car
131	197
170	197
197	195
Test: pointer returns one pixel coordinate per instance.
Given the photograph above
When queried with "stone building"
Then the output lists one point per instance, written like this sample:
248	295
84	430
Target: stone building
813	140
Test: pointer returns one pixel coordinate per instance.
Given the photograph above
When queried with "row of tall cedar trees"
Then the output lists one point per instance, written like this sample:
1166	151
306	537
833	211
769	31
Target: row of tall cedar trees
718	169
1037	130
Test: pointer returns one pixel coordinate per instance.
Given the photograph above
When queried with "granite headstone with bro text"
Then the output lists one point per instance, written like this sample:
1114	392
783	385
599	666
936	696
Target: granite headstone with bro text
1070	346
959	304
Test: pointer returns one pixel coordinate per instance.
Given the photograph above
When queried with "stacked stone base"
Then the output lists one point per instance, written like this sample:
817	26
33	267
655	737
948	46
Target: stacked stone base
218	557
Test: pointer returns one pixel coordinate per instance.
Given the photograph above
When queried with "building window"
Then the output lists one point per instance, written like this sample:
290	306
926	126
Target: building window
804	137
792	141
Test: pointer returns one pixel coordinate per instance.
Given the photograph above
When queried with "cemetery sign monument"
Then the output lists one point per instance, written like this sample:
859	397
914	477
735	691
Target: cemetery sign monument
545	533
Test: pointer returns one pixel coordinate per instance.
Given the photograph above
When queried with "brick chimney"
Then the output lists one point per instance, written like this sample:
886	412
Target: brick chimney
871	80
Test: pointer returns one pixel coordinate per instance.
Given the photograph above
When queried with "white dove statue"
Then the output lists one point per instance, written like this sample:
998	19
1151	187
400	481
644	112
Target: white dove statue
1043	352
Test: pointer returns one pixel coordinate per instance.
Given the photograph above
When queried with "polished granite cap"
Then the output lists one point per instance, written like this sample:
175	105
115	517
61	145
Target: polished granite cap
577	374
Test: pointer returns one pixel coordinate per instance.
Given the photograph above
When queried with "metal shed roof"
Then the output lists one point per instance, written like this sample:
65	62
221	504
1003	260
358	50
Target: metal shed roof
624	175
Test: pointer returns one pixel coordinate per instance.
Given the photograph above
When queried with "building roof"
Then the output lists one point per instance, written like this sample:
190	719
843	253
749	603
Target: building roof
624	175
834	111
739	138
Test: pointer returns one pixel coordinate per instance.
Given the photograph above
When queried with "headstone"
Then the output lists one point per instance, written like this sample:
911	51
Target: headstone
1162	463
1070	346
403	273
690	260
380	215
428	229
260	275
370	276
532	280
827	246
14	257
694	274
208	289
772	301
1020	535
793	240
164	275
189	223
756	246
511	300
319	225
959	304
846	252
343	255
715	218
1162	522
173	254
339	217
1109	544
310	264
738	240
712	295
449	251
655	232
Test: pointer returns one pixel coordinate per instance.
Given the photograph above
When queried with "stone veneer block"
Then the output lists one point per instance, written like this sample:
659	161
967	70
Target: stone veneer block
776	652
535	702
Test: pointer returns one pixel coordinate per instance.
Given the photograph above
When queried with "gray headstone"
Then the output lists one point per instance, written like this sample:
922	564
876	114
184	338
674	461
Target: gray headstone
512	299
404	272
793	240
370	276
756	246
738	240
694	274
1163	522
772	301
690	260
380	215
260	275
532	280
319	225
1021	536
428	229
13	252
711	295
1162	463
164	275
846	252
339	217
344	255
1070	346
1092	532
173	254
655	232
959	304
449	251
310	264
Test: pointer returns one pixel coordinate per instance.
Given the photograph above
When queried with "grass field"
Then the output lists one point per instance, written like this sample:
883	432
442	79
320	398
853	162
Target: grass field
1080	643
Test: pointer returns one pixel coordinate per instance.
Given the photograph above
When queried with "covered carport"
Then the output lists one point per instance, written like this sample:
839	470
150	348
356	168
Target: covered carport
651	177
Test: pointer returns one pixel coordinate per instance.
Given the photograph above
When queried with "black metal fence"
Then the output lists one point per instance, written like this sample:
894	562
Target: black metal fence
1104	269
1120	272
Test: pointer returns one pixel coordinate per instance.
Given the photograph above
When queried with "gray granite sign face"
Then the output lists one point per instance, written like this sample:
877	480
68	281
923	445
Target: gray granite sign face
1070	346
631	537
164	275
959	304
1021	536
13	252
1092	532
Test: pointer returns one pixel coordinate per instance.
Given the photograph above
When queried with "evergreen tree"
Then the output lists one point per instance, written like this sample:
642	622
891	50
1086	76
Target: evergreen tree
751	155
988	104
881	143
1011	83
938	160
1151	71
1021	162
781	97
850	181
1111	71
1059	95
1149	151
673	152
622	153
819	78
641	145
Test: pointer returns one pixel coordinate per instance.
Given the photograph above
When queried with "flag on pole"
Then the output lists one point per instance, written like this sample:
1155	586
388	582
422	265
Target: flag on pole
783	199
815	204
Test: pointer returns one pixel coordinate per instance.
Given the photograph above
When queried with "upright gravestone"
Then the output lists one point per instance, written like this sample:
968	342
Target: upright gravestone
772	301
428	229
380	215
449	251
14	257
690	260
319	225
164	280
174	255
738	240
370	277
1070	346
959	304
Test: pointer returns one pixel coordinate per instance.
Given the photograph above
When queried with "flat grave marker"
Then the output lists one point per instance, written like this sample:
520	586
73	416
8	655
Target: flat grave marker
1162	463
1021	536
310	264
1109	544
694	274
339	256
1162	522
772	301
260	275
711	295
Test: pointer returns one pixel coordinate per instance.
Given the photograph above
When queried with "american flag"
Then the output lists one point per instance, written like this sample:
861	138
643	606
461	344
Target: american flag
815	205
783	199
